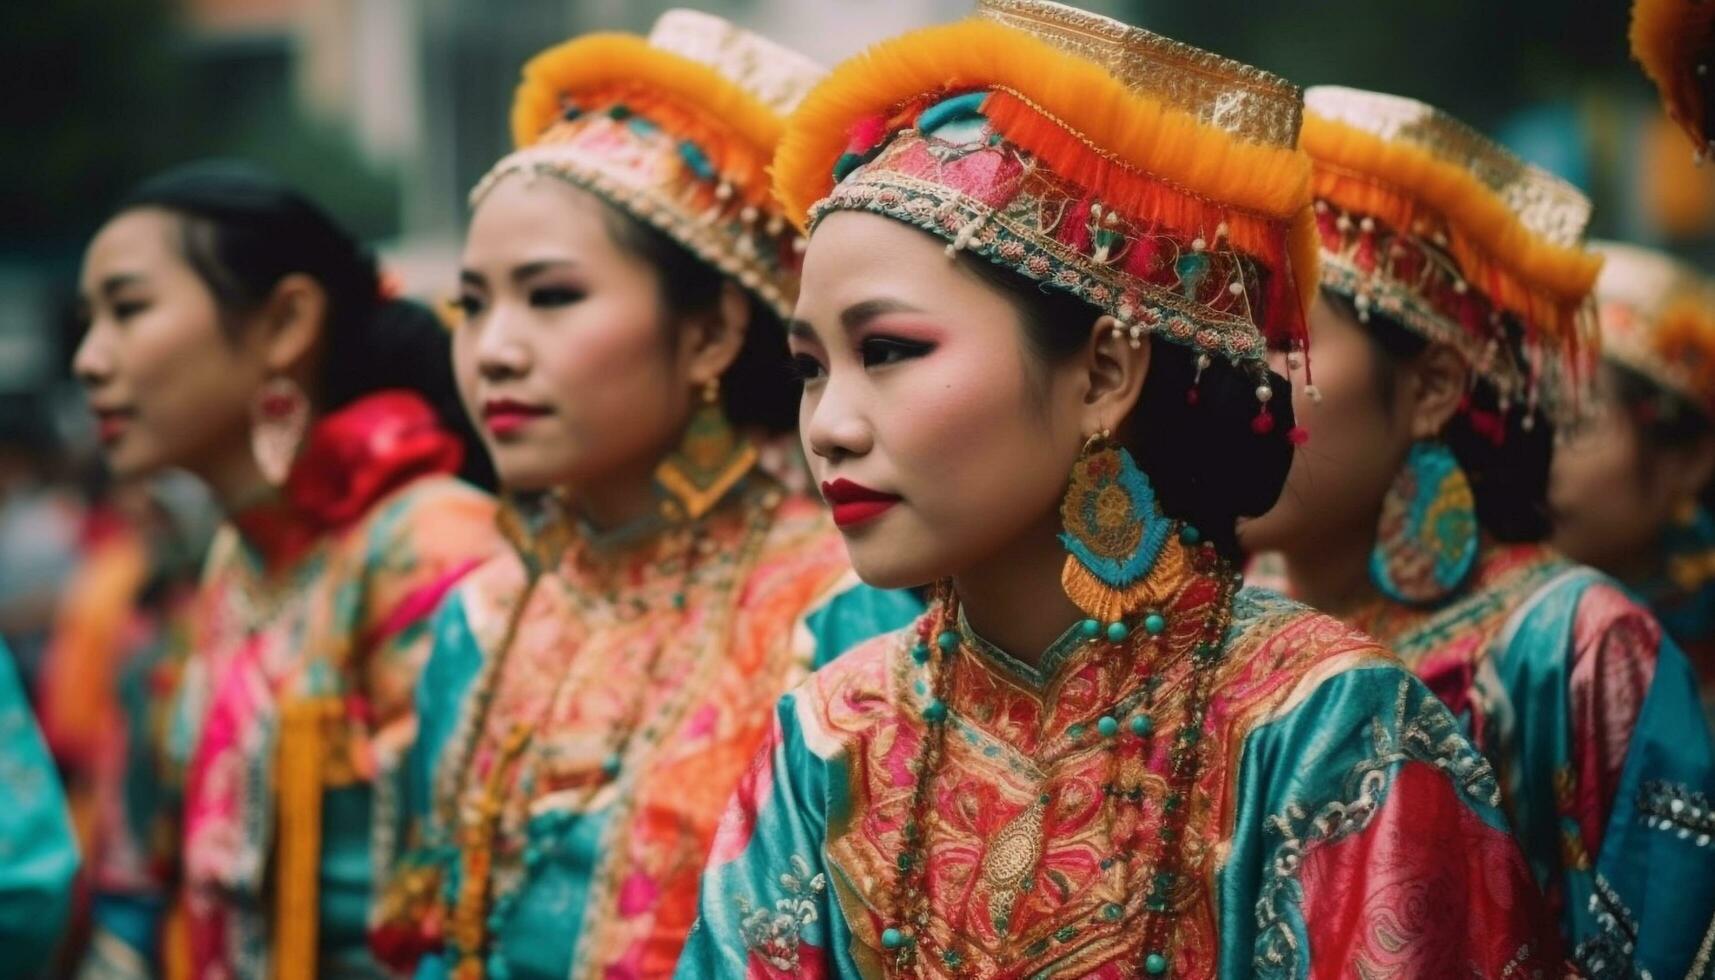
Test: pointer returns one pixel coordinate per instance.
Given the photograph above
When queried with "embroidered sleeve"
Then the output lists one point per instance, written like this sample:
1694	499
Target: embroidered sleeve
766	908
1380	846
1614	649
419	550
1649	905
38	855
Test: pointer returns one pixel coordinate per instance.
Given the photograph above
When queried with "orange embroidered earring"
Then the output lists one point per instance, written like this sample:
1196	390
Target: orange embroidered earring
1114	536
711	459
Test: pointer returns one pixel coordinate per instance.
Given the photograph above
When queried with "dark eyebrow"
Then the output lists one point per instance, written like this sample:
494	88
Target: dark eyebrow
471	277
853	317
531	269
114	283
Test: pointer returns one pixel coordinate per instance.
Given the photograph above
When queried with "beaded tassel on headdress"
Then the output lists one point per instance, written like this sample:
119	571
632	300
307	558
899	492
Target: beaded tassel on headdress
1455	238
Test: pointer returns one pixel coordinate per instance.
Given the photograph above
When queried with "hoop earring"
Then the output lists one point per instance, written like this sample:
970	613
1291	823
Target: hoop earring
1426	541
1114	534
711	459
279	417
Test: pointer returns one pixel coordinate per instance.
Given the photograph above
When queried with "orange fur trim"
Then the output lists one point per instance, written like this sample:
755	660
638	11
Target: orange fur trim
1133	129
1546	284
1668	38
1156	201
1684	337
734	129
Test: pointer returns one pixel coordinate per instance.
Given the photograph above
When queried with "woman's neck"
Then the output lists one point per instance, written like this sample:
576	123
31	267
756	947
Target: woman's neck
617	499
1332	572
1014	599
235	481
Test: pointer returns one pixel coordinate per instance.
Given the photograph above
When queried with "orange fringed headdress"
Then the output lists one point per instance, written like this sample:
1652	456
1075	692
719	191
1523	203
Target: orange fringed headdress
1658	319
1674	41
1430	223
678	130
1160	183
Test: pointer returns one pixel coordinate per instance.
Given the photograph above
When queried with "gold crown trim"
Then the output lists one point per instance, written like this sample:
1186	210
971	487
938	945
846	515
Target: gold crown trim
774	75
1546	205
1241	100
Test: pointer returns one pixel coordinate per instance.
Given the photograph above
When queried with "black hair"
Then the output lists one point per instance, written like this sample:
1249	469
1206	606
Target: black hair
243	231
1664	420
1208	465
758	390
1509	476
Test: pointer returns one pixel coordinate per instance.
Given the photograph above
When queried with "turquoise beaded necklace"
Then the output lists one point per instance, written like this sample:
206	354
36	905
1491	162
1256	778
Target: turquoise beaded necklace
937	646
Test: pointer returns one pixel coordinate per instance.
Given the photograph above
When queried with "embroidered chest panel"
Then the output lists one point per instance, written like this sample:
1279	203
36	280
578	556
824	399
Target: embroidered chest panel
1044	835
643	708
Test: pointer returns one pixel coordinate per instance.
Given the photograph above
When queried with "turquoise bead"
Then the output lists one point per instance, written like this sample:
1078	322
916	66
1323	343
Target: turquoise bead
948	641
611	764
1155	964
1190	535
892	938
935	711
1074	732
1154	623
1090	628
920	653
1117	632
1142	725
1107	726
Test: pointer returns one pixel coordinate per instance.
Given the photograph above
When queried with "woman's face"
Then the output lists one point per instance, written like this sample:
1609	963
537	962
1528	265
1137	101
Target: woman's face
935	433
169	383
1608	496
1338	479
563	359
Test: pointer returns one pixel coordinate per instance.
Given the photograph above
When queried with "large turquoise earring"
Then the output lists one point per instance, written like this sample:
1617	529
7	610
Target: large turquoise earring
1426	541
1113	535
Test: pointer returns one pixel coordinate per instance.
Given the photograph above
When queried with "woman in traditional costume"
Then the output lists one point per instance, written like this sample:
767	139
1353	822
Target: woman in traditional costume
1046	242
237	332
593	699
38	854
1454	333
1633	491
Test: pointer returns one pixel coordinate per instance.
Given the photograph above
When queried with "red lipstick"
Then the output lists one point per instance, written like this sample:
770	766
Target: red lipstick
854	503
111	423
505	416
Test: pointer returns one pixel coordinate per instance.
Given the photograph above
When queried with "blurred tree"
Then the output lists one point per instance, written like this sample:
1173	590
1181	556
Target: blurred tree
1478	59
102	93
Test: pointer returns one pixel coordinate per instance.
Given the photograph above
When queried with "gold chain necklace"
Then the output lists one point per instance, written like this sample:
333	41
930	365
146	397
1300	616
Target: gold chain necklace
476	836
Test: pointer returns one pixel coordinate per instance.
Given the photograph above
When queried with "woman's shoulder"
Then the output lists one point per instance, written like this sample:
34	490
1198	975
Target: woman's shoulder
432	499
1275	633
867	676
801	558
1280	652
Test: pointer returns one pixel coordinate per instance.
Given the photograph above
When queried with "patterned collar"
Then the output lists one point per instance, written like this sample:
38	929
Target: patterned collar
350	459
